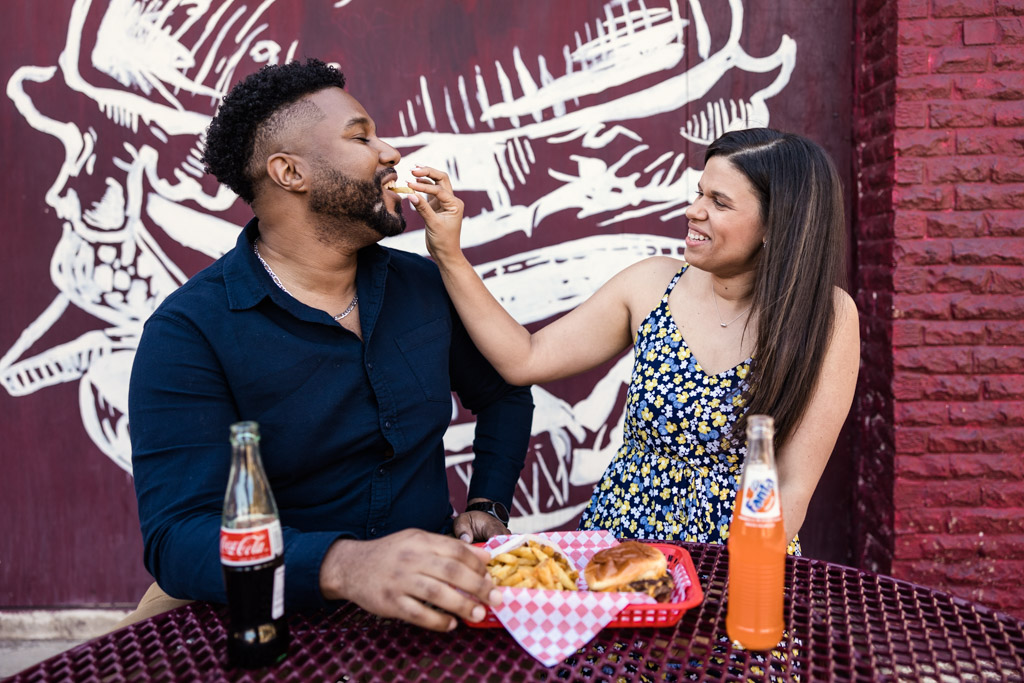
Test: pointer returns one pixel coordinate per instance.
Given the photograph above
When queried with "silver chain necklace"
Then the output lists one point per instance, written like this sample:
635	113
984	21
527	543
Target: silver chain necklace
715	299
277	281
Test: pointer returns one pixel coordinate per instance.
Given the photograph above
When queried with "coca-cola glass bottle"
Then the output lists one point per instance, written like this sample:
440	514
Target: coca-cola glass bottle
252	557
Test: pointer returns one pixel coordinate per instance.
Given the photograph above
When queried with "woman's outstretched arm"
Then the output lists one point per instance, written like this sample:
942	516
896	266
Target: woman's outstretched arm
587	336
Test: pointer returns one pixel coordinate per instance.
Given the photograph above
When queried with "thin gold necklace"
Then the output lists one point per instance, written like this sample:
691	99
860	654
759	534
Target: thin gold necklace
277	281
714	297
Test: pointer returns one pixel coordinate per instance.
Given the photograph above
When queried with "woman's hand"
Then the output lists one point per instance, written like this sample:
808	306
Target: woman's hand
442	214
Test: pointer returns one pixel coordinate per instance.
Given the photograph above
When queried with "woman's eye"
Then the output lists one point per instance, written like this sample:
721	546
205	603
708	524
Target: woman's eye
718	204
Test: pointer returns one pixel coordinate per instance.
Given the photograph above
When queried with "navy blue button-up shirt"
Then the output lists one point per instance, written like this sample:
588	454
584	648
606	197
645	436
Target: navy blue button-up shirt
351	430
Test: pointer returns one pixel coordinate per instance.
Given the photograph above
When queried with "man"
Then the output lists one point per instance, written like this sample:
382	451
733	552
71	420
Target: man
344	351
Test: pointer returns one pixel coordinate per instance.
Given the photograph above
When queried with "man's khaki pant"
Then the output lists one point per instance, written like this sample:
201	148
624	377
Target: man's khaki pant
154	602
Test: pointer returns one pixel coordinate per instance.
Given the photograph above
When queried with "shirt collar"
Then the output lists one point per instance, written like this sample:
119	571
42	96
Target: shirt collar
247	284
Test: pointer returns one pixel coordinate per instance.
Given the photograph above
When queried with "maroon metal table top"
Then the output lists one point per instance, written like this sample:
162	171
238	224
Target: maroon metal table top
842	624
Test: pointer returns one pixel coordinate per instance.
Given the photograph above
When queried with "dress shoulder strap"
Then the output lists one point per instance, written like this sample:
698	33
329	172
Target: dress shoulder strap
675	279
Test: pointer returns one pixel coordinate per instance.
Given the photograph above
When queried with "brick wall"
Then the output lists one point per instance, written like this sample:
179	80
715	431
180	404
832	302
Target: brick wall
874	172
957	307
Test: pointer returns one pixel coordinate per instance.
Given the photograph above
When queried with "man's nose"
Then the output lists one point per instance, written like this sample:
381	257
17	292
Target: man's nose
389	156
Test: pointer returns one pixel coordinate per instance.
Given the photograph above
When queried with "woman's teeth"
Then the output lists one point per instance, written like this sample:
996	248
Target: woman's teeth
695	236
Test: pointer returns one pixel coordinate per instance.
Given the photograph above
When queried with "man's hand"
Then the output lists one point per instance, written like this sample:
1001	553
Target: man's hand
476	526
411	575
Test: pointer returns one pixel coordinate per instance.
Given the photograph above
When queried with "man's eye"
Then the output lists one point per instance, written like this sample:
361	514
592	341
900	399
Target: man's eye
363	139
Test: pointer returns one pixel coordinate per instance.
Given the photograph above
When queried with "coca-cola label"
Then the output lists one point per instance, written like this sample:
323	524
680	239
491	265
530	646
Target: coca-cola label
759	499
251	545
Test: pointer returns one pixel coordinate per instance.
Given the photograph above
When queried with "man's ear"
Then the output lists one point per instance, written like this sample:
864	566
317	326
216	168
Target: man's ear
288	171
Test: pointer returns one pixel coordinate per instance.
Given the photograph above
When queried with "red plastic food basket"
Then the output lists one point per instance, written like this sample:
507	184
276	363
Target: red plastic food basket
646	615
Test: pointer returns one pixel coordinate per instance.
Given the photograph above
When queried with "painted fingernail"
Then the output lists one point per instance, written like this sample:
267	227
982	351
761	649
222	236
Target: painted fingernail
478	613
495	597
452	624
466	537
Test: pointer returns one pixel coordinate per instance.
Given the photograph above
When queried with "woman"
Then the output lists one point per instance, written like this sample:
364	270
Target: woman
754	322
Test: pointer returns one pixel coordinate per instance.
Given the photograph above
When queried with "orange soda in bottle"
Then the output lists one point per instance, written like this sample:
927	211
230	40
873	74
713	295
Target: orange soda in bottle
757	546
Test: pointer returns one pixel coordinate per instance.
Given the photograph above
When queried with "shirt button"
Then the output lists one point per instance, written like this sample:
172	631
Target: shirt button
380	471
369	366
373	531
387	424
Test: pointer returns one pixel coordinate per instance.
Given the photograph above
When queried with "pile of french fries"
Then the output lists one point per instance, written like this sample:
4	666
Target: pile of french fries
533	565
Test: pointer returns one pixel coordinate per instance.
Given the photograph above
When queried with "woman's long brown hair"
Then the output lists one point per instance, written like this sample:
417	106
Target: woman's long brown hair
802	261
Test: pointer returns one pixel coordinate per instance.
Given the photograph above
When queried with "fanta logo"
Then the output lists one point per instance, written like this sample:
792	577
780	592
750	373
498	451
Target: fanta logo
245	547
760	497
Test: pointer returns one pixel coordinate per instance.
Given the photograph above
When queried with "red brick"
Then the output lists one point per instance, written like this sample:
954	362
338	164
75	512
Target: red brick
988	307
1009	7
939	493
997	86
954	333
961	8
931	546
1008	114
911	440
960	114
960	169
924	88
1003	440
922	520
922	467
1000	141
1004	386
961	440
1005	280
923	252
921	280
950	60
981	32
910	225
924	143
922	307
931	33
912	61
987	413
979	197
920	414
987	520
999	360
956	224
946	359
1009	58
907	333
1006	494
990	251
991	466
1005	333
908	386
1005	223
1012	29
912	9
1008	170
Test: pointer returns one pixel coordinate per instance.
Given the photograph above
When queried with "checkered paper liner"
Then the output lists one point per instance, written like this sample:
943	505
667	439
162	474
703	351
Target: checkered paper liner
551	624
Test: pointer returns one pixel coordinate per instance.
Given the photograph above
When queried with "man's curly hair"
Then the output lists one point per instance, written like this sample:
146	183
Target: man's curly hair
255	110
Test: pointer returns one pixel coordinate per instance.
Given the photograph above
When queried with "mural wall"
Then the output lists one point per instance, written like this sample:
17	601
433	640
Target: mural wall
573	131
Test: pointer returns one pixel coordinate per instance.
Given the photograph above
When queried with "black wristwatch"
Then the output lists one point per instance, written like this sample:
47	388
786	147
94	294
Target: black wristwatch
494	509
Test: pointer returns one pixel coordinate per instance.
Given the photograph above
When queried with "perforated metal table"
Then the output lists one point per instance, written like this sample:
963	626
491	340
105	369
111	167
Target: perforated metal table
842	624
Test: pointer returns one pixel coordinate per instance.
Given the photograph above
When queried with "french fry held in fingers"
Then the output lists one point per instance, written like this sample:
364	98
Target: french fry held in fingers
402	190
533	565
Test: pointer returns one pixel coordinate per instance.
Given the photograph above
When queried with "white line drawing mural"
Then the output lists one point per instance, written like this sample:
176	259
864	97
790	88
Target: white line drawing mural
559	150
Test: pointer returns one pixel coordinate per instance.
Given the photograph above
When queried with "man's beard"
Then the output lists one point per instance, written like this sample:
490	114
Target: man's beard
339	196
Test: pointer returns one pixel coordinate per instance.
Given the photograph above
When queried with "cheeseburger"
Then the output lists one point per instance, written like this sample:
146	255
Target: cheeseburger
630	567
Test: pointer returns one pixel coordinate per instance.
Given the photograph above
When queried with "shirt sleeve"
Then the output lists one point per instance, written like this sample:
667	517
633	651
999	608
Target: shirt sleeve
504	418
180	412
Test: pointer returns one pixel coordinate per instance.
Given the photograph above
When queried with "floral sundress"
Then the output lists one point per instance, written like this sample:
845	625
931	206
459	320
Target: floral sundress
676	474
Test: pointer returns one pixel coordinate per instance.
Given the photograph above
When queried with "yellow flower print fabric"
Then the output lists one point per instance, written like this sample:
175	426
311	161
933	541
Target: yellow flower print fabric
676	474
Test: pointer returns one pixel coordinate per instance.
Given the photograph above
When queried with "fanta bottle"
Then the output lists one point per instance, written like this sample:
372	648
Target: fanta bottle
757	546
